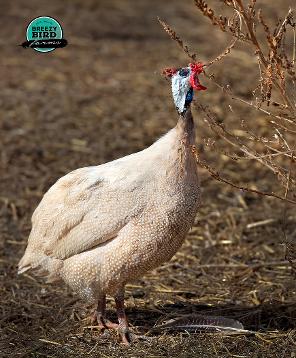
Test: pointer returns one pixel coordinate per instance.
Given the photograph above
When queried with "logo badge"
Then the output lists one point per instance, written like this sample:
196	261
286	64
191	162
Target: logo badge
44	34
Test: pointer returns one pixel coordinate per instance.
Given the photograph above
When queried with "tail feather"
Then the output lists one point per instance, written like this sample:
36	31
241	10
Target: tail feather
23	269
24	264
42	264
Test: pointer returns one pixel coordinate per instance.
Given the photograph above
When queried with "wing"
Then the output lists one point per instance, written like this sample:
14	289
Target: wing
86	208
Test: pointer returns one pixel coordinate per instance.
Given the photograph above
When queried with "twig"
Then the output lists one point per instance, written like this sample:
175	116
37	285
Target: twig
173	35
249	22
274	66
217	176
223	54
229	92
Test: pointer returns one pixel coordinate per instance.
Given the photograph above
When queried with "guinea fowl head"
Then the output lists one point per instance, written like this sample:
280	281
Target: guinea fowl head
184	81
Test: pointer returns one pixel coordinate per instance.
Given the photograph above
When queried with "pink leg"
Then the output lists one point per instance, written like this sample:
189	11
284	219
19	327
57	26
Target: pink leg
122	319
100	315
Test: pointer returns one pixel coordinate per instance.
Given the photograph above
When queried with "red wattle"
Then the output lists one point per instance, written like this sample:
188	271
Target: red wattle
196	69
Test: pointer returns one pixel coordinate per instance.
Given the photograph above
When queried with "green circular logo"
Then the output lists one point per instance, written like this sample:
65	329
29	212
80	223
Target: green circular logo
44	30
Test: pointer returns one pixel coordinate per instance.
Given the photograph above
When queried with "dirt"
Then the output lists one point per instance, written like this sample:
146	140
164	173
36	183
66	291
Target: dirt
102	97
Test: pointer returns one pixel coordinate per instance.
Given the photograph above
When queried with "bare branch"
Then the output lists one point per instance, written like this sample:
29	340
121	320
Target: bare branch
173	35
217	176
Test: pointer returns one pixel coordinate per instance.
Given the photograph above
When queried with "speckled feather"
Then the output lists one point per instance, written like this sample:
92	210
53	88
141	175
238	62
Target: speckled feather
99	227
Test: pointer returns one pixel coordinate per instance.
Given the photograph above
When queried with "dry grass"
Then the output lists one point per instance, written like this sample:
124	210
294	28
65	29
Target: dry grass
99	98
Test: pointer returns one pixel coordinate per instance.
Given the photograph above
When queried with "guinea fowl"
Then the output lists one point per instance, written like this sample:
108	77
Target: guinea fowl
99	227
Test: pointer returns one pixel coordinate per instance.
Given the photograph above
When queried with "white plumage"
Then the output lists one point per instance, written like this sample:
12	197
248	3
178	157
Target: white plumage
99	227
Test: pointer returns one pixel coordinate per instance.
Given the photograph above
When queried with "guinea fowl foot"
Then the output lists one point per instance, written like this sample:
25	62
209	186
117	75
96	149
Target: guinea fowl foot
103	323
125	335
99	318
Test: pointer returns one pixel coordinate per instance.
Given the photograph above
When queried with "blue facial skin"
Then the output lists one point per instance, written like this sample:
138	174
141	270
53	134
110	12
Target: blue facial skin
189	97
188	100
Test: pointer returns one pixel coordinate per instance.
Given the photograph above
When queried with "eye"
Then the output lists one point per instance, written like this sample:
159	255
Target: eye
184	72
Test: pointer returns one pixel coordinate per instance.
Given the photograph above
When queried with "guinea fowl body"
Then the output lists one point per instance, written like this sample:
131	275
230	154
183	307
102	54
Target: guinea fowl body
98	228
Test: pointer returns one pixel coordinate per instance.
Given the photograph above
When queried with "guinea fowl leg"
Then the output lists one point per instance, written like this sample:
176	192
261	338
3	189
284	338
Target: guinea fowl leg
103	323
100	315
122	319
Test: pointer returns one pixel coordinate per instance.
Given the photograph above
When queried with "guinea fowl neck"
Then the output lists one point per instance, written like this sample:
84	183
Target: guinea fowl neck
186	126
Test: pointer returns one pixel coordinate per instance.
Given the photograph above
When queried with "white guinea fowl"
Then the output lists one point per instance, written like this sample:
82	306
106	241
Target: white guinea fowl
99	227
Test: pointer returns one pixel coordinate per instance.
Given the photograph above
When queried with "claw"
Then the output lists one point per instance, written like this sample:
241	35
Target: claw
125	335
102	322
